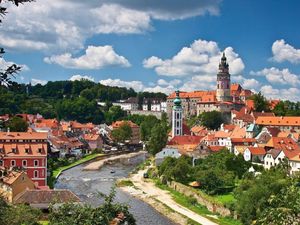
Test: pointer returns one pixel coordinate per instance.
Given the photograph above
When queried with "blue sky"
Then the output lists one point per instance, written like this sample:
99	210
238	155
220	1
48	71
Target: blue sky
157	45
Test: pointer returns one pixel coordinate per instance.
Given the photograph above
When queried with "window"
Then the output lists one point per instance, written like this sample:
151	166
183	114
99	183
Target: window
27	150
1	162
39	150
14	150
24	163
36	174
13	163
36	163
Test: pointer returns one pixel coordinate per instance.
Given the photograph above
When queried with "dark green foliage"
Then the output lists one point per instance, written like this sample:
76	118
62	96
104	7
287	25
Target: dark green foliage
114	113
123	133
16	124
212	120
158	138
260	103
287	108
85	215
253	193
18	214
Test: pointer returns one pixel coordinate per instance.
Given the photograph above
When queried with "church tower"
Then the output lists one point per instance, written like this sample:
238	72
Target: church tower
177	117
223	81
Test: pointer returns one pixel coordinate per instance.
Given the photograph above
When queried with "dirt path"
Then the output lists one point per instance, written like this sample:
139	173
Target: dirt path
148	189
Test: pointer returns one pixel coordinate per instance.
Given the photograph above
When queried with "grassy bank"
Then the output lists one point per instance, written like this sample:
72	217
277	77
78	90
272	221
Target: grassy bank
192	204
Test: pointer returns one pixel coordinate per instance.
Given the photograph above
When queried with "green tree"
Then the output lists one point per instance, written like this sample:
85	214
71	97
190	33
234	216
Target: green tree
114	113
158	138
123	133
260	102
17	124
212	120
86	215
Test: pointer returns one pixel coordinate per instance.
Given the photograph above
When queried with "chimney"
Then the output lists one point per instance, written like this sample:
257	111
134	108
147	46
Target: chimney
8	131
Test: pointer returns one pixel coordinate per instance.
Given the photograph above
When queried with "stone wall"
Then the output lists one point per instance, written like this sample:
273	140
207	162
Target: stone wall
146	113
211	205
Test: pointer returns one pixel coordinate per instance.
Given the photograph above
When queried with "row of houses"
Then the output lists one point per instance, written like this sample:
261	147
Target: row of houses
148	104
263	138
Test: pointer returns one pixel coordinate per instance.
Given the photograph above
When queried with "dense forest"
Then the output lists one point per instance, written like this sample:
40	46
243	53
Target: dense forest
69	100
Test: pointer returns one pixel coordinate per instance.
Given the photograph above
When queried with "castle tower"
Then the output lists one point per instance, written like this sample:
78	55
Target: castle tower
177	117
223	81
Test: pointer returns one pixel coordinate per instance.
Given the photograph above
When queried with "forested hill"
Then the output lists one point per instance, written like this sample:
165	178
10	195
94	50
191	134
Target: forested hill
70	100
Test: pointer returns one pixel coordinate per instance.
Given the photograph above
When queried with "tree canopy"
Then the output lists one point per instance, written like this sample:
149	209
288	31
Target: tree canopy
122	133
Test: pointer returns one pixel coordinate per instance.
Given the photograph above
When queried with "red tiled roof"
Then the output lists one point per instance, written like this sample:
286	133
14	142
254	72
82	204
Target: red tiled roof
243	140
117	124
193	94
278	121
23	136
185	140
288	145
257	150
216	148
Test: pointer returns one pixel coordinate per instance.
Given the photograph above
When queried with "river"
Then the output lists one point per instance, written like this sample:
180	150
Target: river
86	185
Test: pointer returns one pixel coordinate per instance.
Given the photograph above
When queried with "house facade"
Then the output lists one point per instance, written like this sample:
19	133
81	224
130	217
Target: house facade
25	150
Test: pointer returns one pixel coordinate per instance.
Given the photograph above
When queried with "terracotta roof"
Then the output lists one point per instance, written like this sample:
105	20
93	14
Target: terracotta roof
91	137
229	127
295	158
235	87
288	145
210	137
193	94
216	148
186	148
257	150
238	132
21	148
263	114
23	135
51	123
117	124
46	197
222	134
279	121
185	140
196	129
250	103
185	129
11	177
246	93
274	131
77	125
243	140
273	103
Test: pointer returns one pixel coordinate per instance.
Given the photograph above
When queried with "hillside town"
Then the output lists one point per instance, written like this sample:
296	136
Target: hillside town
149	112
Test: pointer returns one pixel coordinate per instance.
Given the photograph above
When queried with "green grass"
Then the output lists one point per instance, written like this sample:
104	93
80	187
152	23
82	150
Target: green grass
192	204
57	171
225	199
124	183
44	222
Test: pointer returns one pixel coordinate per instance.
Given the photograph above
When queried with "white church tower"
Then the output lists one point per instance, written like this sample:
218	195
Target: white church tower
177	117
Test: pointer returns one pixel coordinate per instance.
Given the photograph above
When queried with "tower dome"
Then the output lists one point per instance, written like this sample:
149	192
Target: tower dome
177	100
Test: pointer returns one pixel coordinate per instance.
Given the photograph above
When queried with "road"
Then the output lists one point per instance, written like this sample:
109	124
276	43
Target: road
148	189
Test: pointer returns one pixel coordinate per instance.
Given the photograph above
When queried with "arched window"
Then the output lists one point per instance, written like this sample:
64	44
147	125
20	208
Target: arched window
36	174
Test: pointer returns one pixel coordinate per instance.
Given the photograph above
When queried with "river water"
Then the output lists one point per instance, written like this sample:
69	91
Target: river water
87	184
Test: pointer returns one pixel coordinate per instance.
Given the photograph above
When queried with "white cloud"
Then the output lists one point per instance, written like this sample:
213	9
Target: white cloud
251	84
292	94
285	52
277	76
81	77
64	26
4	64
38	81
200	58
136	85
95	57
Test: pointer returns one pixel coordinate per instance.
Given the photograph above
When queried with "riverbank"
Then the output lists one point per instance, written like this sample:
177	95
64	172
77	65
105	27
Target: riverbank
100	163
154	196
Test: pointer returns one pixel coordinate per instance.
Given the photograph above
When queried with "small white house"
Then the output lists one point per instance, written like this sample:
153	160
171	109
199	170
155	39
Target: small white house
273	157
295	163
166	152
254	154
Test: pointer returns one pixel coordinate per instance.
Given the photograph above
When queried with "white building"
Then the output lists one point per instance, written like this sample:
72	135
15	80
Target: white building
177	119
129	104
273	157
166	152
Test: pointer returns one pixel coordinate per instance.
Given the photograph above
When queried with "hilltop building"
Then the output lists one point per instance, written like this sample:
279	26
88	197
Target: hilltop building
225	98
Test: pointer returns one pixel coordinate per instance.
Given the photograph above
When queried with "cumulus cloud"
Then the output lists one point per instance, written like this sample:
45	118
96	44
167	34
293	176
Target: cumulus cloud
95	57
81	77
277	76
38	81
160	86
200	58
292	94
55	25
4	65
285	52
